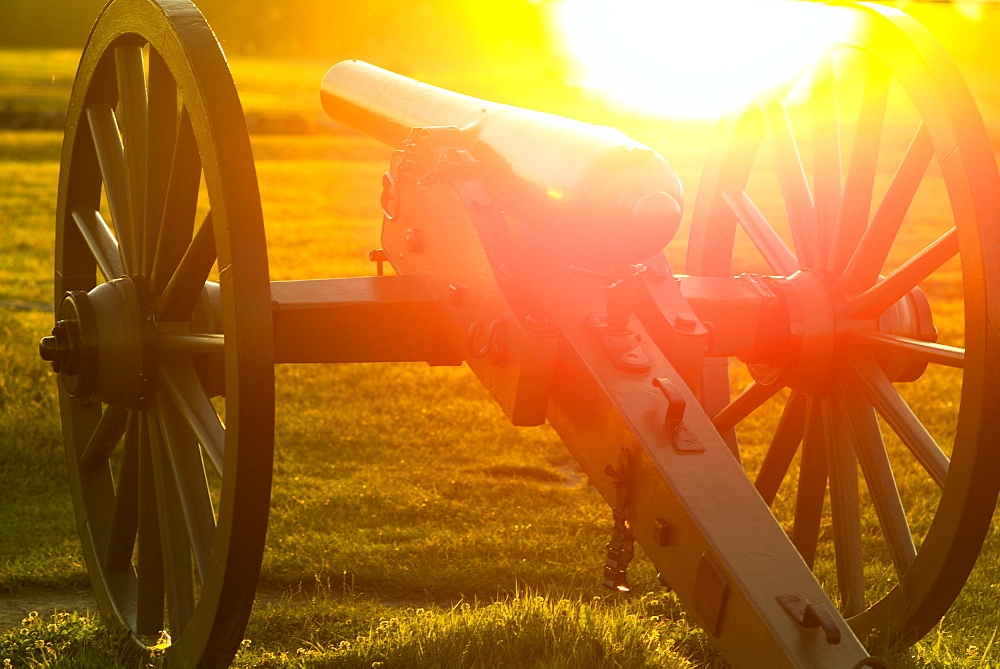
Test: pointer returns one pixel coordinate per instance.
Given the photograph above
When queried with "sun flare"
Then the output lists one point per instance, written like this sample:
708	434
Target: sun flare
691	59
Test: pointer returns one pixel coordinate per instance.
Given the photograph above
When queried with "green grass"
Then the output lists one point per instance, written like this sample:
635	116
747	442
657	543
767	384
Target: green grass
68	640
36	79
35	497
411	525
525	630
35	502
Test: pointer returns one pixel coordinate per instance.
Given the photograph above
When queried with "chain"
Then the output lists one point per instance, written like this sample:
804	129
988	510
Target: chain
621	547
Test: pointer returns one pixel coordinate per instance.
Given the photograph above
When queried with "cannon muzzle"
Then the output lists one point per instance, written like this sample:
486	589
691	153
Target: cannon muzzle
584	193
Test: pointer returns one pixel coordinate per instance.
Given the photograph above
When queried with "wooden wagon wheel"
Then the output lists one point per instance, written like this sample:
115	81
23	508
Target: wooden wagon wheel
161	370
860	342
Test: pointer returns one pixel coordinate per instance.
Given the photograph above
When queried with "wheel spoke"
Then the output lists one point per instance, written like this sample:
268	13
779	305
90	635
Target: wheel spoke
873	249
855	205
181	203
764	238
745	403
715	395
792	179
192	342
192	485
162	128
178	575
885	343
125	516
782	449
827	177
845	509
811	492
149	555
101	242
878	390
132	117
111	158
877	471
102	442
894	287
185	285
186	393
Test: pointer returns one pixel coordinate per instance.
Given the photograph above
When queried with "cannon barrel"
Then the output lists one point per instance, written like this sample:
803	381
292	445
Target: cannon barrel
584	193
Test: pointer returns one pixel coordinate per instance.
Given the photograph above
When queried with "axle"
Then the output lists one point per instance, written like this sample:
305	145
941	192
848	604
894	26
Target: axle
794	330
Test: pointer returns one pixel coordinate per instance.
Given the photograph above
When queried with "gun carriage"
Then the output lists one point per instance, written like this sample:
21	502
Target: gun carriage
530	247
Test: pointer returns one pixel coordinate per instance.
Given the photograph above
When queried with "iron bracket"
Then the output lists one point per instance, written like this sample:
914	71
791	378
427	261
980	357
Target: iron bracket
683	440
494	340
623	347
811	616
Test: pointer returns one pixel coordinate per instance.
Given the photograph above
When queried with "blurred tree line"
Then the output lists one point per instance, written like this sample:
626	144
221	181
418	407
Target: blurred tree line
46	23
419	33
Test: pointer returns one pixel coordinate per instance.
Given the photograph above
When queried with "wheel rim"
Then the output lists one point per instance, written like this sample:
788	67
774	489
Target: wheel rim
825	227
172	349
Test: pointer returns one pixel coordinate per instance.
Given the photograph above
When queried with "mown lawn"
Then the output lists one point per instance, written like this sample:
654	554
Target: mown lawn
411	525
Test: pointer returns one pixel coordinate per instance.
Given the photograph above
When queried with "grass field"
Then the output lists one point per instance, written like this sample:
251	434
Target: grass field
411	525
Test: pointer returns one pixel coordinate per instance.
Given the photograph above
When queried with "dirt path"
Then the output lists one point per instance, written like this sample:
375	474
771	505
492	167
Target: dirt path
15	606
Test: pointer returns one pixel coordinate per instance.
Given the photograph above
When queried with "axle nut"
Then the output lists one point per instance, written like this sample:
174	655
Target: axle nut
60	348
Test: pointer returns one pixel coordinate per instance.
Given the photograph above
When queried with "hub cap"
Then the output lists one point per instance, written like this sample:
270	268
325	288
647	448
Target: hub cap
104	343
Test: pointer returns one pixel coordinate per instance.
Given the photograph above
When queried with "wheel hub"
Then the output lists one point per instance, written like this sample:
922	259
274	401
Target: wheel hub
807	342
909	317
798	349
104	343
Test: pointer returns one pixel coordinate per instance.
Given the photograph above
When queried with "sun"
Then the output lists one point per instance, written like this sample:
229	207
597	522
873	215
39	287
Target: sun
691	58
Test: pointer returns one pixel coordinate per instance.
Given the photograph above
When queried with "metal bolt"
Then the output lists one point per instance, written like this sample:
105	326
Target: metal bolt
49	349
661	532
412	240
379	256
57	349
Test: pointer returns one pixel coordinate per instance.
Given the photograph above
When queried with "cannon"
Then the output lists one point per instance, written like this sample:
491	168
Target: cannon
531	248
